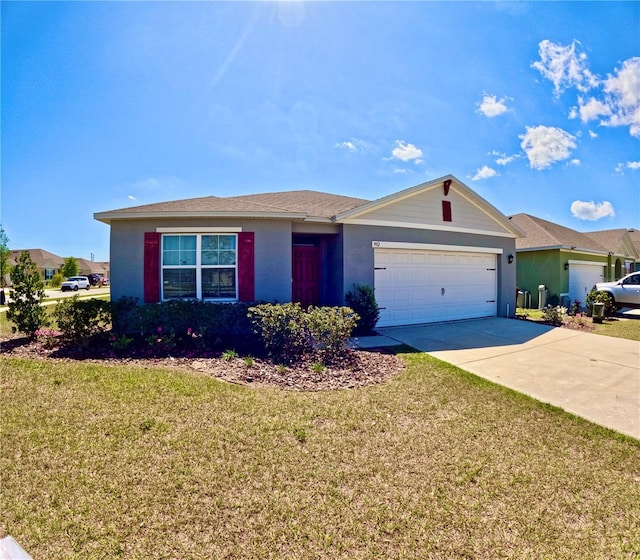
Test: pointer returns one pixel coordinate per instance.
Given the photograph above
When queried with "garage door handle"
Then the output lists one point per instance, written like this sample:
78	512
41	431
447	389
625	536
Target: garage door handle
490	268
490	301
380	268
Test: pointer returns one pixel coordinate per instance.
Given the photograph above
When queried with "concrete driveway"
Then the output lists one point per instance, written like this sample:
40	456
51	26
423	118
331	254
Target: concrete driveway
593	376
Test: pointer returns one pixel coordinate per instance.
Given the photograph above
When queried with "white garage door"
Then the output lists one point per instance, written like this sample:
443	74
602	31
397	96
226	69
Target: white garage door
582	277
425	286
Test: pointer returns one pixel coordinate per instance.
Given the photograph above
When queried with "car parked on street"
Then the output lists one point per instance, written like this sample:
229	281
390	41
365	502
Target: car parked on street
75	283
624	292
94	279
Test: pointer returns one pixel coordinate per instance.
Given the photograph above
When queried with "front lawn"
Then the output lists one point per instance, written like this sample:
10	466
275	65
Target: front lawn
141	463
618	327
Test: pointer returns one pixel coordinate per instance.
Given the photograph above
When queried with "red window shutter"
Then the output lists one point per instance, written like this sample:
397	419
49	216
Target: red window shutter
151	267
246	266
446	211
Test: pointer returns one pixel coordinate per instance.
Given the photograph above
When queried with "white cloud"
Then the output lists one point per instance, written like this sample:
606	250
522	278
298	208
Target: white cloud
490	106
593	134
591	210
131	197
575	162
545	145
399	170
503	159
622	95
347	146
565	66
633	164
407	152
484	172
592	109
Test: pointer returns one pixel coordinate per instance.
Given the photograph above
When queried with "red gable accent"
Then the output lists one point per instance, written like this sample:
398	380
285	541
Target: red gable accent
447	184
246	266
446	211
151	267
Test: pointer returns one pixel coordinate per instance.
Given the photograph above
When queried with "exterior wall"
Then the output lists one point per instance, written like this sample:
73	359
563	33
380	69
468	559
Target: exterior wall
541	267
359	265
272	255
547	267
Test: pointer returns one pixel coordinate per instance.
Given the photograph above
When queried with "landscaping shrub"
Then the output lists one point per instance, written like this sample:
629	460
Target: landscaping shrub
192	323
330	329
288	332
594	296
363	301
56	281
282	329
25	309
80	320
554	315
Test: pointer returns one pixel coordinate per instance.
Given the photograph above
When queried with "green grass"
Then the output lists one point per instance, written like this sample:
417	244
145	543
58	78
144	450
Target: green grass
619	328
6	326
140	463
629	329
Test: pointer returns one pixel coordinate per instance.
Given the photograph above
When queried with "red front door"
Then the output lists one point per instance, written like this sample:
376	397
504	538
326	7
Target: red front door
306	275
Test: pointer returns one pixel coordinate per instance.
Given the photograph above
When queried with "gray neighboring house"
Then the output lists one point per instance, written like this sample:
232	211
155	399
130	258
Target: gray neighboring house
47	263
623	246
433	252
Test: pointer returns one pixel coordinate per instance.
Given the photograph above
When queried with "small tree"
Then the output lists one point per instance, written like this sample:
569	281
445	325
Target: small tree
25	308
70	267
4	262
363	301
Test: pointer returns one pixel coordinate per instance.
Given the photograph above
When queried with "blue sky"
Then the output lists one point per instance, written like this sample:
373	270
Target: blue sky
535	106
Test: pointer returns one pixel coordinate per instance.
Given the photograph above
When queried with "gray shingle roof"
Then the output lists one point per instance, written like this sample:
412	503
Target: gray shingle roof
304	202
542	233
614	239
42	258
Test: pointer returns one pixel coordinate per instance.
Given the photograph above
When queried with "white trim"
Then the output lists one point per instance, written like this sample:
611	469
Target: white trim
198	229
434	247
583	251
198	267
590	263
413	225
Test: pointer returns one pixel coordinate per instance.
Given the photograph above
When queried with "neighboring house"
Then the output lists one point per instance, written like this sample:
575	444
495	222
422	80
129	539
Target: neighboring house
92	267
568	263
47	263
624	246
433	252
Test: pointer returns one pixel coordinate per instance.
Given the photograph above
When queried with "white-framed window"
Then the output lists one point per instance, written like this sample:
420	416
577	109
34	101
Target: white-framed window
200	265
49	273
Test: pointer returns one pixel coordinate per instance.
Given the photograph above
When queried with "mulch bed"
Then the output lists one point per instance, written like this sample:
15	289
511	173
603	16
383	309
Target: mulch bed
357	368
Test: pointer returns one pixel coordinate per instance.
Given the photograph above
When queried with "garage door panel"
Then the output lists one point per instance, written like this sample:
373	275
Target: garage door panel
427	286
582	278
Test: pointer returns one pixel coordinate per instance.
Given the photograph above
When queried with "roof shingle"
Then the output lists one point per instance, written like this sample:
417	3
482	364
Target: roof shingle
307	202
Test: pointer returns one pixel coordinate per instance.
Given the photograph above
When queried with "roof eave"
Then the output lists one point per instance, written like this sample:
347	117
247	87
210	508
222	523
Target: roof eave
108	217
565	248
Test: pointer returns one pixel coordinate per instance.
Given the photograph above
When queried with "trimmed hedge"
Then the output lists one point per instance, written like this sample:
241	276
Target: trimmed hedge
288	332
216	326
